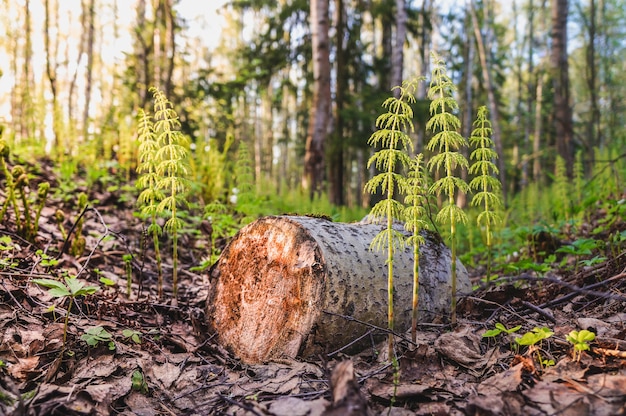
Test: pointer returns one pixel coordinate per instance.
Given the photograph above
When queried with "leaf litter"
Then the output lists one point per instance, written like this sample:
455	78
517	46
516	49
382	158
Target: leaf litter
177	368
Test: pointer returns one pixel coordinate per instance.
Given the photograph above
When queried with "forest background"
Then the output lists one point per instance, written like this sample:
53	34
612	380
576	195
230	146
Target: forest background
280	97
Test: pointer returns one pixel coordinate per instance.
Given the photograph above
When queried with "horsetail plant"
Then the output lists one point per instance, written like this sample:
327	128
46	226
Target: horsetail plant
394	141
173	170
151	195
416	198
164	161
487	185
445	143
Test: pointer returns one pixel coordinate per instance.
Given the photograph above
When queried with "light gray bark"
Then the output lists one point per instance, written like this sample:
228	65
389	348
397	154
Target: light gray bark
279	286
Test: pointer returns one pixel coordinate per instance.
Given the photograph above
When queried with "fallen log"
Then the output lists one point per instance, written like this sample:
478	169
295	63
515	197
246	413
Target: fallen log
284	285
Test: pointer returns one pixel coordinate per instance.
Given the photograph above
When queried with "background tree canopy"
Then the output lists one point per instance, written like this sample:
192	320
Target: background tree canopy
300	83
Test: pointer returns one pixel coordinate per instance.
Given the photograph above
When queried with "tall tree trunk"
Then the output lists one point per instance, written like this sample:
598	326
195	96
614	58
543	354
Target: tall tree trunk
319	115
51	72
468	113
530	93
593	125
81	49
397	54
336	168
169	43
24	104
491	97
538	129
560	78
91	24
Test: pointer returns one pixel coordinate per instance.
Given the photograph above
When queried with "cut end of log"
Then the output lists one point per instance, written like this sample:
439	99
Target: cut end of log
287	286
265	307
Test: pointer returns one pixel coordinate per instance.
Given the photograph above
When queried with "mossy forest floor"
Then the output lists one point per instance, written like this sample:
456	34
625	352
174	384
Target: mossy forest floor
174	366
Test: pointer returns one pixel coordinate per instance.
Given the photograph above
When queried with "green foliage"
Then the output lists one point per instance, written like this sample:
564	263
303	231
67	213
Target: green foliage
562	190
394	142
500	328
138	382
245	196
151	193
446	143
163	160
222	225
134	336
45	260
580	339
70	288
534	337
18	185
97	334
581	247
488	187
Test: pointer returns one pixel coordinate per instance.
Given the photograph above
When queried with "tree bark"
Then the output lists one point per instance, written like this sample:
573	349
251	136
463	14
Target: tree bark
336	193
51	72
284	286
560	70
320	109
90	40
397	54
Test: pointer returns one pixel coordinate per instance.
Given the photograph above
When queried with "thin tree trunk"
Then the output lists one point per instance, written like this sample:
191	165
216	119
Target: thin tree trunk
468	113
336	151
170	44
592	76
81	49
560	70
89	70
397	53
321	106
538	129
51	67
284	286
491	97
530	92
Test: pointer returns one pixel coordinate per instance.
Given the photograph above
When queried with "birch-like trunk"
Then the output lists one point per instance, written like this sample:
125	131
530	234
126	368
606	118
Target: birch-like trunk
284	286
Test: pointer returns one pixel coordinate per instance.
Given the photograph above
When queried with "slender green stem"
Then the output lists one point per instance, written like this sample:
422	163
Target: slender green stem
67	320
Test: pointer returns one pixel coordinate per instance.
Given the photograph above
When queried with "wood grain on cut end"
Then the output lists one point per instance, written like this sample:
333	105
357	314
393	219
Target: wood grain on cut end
267	279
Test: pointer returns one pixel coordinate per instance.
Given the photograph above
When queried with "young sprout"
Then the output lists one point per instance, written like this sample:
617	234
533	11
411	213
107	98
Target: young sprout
580	341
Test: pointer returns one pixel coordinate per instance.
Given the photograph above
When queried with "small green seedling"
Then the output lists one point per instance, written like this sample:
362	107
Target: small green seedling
70	289
580	341
46	260
499	329
132	335
139	382
578	248
94	335
531	339
106	281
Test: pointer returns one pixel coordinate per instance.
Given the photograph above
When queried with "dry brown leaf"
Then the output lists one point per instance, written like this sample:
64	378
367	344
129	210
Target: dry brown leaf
24	369
462	347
